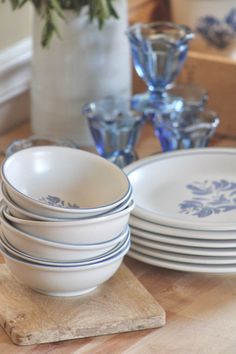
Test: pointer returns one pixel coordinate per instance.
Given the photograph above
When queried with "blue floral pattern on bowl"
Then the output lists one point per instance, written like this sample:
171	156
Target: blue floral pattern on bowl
58	202
210	197
218	33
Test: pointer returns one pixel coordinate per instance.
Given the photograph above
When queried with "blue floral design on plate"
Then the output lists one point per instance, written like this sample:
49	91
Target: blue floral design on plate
210	197
58	202
218	33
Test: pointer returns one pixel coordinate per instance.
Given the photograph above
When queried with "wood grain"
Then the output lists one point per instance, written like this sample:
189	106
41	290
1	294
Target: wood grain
148	10
120	305
217	75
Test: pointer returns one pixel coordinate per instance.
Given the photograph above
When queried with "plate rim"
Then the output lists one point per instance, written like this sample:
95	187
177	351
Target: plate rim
176	257
180	241
197	251
226	269
140	212
177	232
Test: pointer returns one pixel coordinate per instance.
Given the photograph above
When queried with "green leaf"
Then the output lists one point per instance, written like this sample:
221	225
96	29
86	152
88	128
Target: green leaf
104	9
100	10
22	3
14	4
48	29
38	6
112	10
55	4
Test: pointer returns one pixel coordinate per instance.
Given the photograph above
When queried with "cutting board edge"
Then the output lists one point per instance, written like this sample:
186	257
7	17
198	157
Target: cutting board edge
23	339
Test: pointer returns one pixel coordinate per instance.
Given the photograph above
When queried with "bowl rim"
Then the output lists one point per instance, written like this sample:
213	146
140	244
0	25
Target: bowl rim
36	217
61	209
63	245
119	247
69	222
69	268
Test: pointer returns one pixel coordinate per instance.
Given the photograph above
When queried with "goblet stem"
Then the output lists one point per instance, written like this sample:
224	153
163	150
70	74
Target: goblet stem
157	95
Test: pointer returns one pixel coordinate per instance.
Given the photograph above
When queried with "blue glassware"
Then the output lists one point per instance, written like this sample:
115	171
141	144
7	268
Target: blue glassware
193	97
159	51
144	103
185	128
115	128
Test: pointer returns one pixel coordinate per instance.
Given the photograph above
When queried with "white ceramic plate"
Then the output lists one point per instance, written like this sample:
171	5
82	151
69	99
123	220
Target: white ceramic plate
197	251
192	189
177	257
181	241
186	267
178	232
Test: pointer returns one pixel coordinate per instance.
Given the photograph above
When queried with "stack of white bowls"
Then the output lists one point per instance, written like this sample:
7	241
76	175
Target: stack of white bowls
64	219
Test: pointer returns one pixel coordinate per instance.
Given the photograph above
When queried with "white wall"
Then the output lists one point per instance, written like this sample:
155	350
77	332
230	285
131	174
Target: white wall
14	25
15	59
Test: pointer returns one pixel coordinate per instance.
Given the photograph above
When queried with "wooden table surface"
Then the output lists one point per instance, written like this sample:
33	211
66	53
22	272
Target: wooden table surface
200	308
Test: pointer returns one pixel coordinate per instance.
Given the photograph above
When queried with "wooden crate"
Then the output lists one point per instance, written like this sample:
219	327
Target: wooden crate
148	10
218	76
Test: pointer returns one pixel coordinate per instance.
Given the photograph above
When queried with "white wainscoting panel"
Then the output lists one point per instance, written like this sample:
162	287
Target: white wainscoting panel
15	76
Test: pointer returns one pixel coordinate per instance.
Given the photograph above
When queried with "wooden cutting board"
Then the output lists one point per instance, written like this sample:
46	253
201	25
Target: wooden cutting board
122	304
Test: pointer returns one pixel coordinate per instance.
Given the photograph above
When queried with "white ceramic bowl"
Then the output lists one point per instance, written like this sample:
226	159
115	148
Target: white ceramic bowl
63	281
62	182
53	251
19	212
87	231
21	255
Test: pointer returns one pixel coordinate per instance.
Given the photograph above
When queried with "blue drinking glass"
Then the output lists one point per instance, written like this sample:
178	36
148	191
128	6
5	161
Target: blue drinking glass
159	51
194	97
115	128
185	128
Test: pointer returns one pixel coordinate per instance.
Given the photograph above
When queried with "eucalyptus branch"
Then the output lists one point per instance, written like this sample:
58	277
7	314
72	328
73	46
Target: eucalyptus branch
52	10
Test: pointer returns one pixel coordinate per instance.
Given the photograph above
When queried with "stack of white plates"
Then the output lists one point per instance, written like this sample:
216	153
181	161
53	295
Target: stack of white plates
185	213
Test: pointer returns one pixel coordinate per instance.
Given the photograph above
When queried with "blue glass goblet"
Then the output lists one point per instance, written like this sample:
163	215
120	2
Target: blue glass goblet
185	128
193	97
159	51
115	128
